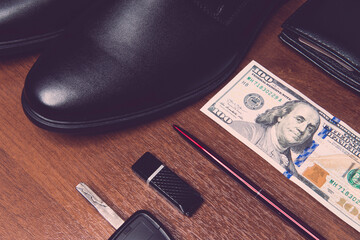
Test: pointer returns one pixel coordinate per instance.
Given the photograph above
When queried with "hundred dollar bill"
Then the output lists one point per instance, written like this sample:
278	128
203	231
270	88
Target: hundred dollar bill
307	144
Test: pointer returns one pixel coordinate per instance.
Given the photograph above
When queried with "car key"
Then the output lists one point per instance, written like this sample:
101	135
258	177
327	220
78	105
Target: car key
140	226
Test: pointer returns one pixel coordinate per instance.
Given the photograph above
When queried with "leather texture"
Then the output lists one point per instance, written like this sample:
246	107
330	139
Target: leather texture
26	24
132	61
331	26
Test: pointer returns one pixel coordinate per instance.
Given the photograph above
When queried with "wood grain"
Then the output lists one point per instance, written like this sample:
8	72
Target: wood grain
39	170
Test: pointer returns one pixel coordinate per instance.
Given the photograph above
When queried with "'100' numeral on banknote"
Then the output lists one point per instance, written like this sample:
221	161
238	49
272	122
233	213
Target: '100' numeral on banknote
307	144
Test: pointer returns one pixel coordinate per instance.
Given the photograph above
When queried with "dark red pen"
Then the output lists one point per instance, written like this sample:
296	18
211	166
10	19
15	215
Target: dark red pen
259	193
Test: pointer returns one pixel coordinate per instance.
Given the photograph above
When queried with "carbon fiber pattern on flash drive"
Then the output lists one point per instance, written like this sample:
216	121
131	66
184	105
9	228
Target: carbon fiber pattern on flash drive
177	191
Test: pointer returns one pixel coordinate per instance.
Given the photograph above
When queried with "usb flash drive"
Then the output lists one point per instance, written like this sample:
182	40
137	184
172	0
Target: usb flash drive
168	184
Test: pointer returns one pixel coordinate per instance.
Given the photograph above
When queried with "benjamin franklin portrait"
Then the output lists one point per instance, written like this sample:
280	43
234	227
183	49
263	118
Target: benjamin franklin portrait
282	129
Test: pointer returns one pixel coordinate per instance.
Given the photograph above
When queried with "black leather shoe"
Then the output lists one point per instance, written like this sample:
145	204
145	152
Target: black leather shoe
133	60
28	24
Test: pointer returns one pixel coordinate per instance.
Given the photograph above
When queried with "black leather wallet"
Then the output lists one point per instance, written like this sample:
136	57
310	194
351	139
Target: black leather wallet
327	33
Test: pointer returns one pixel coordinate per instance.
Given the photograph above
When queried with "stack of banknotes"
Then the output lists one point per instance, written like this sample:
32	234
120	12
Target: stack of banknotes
312	148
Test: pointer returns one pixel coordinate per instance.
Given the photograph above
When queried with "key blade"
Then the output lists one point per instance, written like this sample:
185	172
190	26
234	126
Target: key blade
100	205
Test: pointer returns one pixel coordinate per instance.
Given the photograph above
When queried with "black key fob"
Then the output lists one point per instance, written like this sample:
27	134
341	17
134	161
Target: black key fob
141	226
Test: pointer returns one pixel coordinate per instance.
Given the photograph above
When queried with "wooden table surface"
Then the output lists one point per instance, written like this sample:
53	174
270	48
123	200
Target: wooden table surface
39	169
